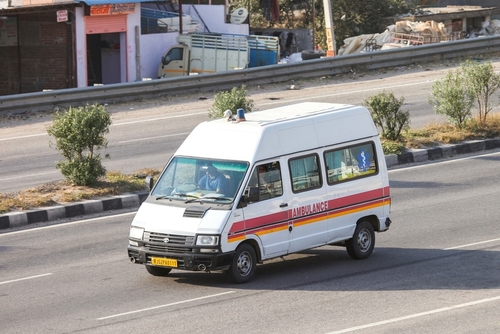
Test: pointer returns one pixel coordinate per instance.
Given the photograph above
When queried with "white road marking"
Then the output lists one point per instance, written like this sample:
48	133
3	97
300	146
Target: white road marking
441	162
473	244
150	138
68	224
159	118
27	176
165	305
24	278
308	98
416	315
27	136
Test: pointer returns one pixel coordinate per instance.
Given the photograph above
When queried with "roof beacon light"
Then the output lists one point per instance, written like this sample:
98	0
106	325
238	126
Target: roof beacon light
240	115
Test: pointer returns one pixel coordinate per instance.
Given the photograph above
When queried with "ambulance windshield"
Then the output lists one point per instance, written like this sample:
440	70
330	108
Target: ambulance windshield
196	179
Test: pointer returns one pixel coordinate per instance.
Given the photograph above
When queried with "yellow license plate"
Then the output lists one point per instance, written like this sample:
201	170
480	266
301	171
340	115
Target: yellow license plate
163	262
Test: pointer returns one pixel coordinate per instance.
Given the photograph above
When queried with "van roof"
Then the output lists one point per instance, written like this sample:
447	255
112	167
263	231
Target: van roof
279	131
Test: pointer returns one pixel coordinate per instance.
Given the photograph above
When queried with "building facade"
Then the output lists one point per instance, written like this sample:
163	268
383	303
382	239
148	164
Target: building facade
54	44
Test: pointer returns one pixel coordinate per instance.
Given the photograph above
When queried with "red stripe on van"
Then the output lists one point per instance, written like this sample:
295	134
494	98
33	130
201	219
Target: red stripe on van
336	207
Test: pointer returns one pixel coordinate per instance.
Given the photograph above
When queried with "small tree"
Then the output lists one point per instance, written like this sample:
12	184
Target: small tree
78	134
452	98
386	114
482	82
230	100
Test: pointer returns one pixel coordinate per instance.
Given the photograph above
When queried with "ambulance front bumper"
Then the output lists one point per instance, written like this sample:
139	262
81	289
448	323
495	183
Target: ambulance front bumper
189	260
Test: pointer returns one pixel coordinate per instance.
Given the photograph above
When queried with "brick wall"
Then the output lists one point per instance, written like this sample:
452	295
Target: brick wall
43	59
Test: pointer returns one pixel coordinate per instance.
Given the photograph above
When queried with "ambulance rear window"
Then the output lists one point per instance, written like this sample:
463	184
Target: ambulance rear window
350	163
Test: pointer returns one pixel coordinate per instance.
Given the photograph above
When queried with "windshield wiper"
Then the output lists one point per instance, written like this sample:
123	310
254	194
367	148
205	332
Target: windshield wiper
217	197
210	197
163	197
174	196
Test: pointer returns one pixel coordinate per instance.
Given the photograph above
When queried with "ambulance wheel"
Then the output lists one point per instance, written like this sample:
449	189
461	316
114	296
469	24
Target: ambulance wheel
157	271
243	265
360	246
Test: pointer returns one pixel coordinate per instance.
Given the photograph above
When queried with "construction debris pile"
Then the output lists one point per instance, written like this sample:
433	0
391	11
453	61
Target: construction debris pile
408	33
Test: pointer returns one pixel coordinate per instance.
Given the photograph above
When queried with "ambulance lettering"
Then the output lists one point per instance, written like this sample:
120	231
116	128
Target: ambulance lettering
309	209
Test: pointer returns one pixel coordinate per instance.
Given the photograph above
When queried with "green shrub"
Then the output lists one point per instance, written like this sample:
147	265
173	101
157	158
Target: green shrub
392	147
452	98
482	81
230	100
386	114
78	134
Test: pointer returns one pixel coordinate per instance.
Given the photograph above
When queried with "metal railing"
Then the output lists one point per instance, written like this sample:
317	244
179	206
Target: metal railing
253	76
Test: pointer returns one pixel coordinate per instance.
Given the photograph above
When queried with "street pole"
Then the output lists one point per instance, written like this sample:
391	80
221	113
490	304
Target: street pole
330	35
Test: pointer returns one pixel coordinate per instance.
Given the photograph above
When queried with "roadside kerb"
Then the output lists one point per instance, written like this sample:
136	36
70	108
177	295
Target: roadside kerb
79	209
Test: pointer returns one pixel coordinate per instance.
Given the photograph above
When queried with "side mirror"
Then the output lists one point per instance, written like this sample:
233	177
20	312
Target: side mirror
149	182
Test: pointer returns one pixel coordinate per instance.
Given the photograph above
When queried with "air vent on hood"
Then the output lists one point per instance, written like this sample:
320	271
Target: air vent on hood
195	212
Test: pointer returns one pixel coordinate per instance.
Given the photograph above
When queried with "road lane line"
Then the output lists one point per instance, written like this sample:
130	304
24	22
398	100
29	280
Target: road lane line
26	176
151	138
23	137
430	163
473	244
25	278
160	118
416	315
33	229
308	98
165	305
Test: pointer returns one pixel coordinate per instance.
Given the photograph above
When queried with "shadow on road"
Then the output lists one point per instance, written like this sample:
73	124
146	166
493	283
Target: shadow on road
331	269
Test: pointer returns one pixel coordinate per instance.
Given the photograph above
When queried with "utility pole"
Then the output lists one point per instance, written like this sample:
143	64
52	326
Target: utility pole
330	36
180	17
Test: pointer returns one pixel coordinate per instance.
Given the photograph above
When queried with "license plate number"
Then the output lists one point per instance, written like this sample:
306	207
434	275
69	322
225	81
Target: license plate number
163	262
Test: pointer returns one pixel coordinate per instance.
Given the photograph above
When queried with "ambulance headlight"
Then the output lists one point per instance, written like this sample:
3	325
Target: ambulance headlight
136	232
207	240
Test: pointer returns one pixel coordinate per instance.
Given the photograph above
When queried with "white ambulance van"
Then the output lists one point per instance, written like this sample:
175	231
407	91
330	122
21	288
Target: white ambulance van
279	181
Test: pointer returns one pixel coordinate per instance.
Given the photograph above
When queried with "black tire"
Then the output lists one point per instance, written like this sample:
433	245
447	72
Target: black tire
311	54
157	271
360	246
243	266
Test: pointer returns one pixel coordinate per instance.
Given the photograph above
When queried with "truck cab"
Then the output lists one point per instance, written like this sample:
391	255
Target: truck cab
175	62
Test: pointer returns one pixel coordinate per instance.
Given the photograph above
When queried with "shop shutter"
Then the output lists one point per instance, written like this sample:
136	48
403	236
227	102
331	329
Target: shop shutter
105	24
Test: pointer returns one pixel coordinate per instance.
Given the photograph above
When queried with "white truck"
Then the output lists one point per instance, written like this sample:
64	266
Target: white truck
268	184
199	53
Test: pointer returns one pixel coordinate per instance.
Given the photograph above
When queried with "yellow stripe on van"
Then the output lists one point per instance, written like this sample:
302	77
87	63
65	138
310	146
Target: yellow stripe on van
235	238
272	230
312	220
353	210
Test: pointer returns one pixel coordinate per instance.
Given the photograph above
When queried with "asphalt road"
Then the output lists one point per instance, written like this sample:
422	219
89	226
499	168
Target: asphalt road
437	270
145	134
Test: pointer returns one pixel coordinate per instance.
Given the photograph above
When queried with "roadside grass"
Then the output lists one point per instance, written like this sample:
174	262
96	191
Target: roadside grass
60	192
115	183
436	134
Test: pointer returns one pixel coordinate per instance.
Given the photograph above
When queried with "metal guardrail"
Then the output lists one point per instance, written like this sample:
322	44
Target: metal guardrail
253	76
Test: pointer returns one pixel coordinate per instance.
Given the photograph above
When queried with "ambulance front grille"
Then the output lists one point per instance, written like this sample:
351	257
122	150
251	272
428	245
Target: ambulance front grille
169	243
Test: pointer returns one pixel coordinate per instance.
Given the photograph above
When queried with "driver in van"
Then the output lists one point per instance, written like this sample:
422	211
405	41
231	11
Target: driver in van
213	180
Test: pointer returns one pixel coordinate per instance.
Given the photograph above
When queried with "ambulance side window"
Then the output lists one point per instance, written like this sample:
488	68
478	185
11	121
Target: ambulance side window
265	182
305	173
350	163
